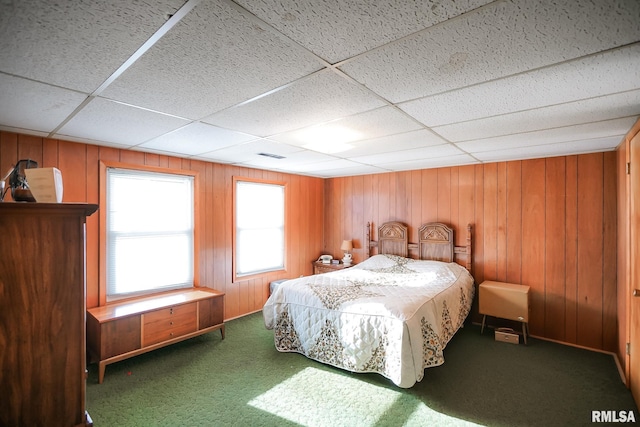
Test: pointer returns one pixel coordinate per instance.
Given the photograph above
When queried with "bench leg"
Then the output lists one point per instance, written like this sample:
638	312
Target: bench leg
524	332
483	319
101	368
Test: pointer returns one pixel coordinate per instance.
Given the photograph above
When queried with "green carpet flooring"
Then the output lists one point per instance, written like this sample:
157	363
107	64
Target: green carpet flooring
243	381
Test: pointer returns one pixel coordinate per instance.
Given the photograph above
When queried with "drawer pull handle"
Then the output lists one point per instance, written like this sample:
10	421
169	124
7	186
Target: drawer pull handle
171	323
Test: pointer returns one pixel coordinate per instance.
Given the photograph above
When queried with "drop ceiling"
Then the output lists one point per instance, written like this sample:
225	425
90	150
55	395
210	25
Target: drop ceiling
326	88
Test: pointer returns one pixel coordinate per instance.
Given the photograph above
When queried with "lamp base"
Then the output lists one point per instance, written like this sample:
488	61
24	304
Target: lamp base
22	195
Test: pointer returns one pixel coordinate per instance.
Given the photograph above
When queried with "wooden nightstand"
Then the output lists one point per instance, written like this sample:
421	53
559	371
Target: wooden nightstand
319	267
506	301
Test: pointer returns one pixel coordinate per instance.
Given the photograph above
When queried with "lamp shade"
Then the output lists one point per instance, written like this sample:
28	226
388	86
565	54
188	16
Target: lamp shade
347	245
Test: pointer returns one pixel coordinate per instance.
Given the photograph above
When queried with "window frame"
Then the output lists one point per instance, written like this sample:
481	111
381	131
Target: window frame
104	165
250	276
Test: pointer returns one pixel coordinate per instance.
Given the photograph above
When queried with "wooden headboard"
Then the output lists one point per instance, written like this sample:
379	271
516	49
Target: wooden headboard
435	242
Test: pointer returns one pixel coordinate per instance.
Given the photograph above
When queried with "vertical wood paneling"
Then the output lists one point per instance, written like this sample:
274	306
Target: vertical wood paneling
490	207
93	224
466	208
401	195
609	255
355	233
30	147
444	195
416	202
554	244
533	268
455	199
514	222
79	164
384	199
590	287
478	241
429	195
571	248
72	162
137	158
548	223
501	231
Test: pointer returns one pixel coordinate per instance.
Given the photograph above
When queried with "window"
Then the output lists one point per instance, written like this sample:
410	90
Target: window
149	230
259	226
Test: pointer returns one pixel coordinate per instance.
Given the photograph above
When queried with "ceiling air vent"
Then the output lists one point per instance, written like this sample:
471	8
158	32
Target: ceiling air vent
275	156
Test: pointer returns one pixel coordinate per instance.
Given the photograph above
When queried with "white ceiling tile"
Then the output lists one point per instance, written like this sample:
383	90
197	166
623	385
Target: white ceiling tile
322	97
337	30
594	76
293	160
473	80
406	155
590	110
75	44
504	38
33	106
349	171
108	121
559	149
333	164
550	136
430	162
246	152
214	58
398	142
371	124
196	138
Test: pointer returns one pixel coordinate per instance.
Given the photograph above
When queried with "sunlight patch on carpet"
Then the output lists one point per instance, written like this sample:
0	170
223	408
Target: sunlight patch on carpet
314	397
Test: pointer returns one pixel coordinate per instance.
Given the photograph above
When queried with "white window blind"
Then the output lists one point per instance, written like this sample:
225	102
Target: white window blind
150	232
259	227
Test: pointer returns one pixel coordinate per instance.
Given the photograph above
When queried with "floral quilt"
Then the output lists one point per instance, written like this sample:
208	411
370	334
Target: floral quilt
390	315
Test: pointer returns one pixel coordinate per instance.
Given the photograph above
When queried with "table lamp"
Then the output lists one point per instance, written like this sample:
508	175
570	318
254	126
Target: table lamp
346	246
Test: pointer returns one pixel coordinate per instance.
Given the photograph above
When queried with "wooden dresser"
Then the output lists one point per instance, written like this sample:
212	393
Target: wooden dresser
125	329
42	314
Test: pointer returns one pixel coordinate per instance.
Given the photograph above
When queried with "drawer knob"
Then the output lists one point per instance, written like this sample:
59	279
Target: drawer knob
171	323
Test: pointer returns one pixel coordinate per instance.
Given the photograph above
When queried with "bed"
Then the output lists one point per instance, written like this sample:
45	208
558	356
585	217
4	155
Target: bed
391	314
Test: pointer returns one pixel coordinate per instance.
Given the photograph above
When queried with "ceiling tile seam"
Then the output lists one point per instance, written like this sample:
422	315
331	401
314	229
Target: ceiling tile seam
151	41
540	130
275	31
549	128
553	143
520	73
170	23
389	104
44	83
526	110
416	33
267	93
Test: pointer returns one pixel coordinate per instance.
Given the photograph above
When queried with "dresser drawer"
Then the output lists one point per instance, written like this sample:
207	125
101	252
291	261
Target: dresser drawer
169	323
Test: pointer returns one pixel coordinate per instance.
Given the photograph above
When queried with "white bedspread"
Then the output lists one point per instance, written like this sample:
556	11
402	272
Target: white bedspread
388	314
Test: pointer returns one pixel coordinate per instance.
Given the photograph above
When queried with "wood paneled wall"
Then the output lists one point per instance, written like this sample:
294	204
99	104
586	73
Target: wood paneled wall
547	223
79	164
